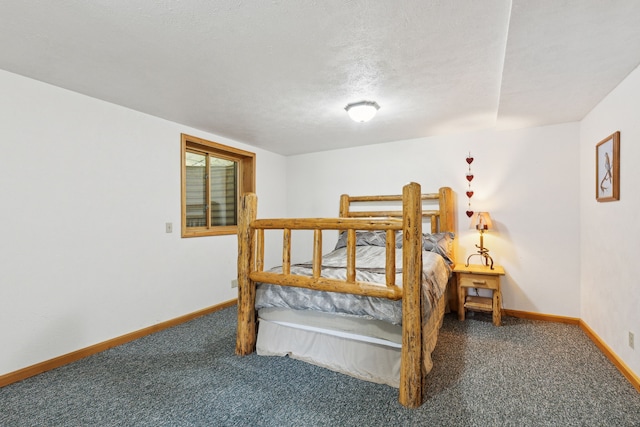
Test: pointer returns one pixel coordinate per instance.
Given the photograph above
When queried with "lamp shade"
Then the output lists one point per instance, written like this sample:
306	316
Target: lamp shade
481	221
362	111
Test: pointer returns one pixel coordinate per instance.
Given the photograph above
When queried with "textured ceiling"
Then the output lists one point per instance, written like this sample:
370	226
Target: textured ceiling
277	74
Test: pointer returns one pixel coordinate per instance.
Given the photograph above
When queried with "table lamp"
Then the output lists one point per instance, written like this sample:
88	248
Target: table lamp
481	221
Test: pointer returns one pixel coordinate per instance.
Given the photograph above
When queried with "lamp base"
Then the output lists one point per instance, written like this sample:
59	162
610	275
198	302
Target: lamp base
482	252
486	258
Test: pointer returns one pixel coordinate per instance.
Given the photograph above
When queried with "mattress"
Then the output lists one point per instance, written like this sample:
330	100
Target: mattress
352	327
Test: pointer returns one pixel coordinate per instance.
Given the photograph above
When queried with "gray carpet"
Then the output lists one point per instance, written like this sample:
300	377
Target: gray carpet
525	373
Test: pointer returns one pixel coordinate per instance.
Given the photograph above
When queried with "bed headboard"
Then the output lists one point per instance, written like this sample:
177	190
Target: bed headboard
442	219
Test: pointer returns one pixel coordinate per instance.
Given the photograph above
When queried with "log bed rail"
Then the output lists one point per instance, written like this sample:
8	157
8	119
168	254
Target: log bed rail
409	221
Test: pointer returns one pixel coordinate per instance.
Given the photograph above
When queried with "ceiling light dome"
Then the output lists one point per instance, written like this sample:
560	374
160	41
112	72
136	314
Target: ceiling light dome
362	111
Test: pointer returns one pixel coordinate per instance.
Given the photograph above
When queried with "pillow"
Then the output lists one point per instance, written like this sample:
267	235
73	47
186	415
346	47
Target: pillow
364	238
440	243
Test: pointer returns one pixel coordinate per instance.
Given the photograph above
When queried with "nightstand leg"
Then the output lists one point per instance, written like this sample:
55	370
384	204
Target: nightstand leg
462	292
497	308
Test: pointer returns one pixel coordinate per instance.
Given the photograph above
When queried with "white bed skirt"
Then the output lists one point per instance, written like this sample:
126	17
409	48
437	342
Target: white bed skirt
360	359
355	351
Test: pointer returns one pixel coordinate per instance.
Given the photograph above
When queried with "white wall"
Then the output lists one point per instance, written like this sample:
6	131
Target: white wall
610	231
86	188
527	179
84	256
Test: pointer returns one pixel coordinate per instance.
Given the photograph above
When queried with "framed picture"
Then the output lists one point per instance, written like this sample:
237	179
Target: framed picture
608	168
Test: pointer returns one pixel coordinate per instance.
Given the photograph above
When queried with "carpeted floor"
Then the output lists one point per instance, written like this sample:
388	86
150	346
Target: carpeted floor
525	373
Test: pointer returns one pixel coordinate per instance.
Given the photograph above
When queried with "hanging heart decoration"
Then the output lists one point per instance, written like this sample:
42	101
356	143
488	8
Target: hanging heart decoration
469	177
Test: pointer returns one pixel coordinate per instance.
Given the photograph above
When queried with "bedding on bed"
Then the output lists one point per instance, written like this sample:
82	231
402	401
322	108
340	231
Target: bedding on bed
370	267
440	243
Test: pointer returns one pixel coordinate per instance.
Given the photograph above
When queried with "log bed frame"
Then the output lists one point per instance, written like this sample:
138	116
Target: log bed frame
409	221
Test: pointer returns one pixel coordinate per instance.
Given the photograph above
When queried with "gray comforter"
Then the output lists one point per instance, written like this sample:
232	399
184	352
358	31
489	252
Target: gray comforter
370	267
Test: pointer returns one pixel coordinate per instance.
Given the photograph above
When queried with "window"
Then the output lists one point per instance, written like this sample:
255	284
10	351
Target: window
214	176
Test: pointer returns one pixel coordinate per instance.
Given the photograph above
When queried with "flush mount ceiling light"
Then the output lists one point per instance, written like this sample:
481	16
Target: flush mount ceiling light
362	111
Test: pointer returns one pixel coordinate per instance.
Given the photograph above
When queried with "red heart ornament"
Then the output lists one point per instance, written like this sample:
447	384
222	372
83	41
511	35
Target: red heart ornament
469	177
469	160
469	194
469	214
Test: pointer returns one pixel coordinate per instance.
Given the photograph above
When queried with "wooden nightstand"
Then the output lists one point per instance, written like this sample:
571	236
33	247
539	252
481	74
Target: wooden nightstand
480	277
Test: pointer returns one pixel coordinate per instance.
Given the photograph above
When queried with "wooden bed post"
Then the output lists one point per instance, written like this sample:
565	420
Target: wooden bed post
344	206
448	223
246	336
411	376
446	200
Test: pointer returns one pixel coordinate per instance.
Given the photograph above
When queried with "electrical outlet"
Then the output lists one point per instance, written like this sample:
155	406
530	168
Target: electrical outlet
631	343
168	227
234	283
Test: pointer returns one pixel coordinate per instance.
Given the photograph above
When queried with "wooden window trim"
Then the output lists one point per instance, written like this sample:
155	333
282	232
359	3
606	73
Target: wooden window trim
246	179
